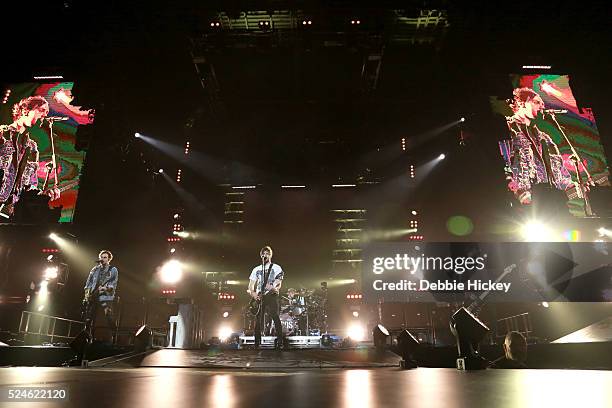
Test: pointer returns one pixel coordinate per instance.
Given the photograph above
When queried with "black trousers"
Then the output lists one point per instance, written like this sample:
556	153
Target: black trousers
92	311
270	307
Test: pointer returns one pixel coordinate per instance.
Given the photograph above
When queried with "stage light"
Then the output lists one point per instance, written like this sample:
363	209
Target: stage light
604	232
343	185
233	282
143	339
462	119
43	292
407	345
545	304
171	271
40	308
79	344
224	333
160	171
53	236
469	331
176	216
442	156
172	250
50	258
137	135
225	314
414	212
356	332
50	273
536	231
380	335
355	313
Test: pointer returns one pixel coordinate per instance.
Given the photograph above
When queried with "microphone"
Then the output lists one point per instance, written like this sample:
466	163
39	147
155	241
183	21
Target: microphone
57	118
553	111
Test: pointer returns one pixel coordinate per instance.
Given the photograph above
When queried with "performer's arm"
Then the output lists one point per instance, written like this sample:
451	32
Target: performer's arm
278	282
251	289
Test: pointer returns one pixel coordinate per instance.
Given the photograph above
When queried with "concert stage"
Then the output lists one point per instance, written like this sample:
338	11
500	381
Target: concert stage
380	387
257	359
291	341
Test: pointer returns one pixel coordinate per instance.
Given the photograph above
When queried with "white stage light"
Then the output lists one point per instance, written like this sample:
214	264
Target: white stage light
50	272
356	332
224	333
171	271
43	292
536	231
442	156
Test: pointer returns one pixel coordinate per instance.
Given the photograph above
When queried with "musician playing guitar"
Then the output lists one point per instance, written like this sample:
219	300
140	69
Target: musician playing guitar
19	154
100	290
264	286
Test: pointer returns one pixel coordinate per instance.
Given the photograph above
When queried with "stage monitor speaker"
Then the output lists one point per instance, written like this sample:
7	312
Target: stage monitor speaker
143	339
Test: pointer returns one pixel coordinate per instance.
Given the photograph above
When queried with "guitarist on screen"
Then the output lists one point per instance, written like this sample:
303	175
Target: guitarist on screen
264	286
19	154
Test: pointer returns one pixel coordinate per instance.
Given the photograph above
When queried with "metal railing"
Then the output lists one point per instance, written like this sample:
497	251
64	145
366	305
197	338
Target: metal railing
520	323
39	324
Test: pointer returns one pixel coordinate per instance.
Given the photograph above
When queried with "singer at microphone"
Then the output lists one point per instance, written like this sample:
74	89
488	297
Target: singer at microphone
535	157
100	289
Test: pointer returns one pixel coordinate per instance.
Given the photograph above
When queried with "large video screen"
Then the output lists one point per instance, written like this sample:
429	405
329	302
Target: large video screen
550	142
40	166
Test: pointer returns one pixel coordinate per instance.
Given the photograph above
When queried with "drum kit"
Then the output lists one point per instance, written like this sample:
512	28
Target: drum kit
302	313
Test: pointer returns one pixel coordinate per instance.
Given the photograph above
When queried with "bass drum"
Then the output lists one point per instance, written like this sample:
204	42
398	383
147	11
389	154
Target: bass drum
289	324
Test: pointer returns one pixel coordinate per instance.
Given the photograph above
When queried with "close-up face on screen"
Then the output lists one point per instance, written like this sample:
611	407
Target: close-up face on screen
39	162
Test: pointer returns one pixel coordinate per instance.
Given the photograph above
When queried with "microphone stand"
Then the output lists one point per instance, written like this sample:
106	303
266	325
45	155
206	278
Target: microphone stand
575	157
53	167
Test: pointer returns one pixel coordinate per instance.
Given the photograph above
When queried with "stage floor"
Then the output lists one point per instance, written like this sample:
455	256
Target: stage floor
351	388
257	359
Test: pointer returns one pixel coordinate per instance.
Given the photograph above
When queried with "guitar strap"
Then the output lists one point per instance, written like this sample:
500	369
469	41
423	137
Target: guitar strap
265	277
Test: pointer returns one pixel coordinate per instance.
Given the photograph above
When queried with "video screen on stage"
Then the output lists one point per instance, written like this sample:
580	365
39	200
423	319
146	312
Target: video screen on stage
550	142
40	166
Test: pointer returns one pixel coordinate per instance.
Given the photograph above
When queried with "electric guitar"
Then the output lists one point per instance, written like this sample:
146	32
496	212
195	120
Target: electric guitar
255	304
6	210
